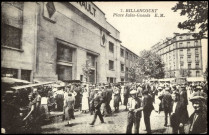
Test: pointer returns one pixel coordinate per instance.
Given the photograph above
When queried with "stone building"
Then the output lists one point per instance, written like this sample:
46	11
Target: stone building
182	55
47	41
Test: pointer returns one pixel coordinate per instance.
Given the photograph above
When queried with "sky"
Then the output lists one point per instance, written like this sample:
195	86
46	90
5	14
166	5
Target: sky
139	33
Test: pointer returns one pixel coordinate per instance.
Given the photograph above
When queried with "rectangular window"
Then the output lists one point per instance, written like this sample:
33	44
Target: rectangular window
180	45
121	52
64	53
197	65
188	44
122	67
196	51
182	64
189	65
25	75
196	57
81	77
11	36
197	73
111	47
9	72
126	55
195	43
180	38
91	59
64	72
111	65
130	57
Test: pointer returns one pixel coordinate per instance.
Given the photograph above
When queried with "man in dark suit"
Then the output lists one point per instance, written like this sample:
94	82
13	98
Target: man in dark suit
97	101
166	104
178	114
183	95
147	109
198	120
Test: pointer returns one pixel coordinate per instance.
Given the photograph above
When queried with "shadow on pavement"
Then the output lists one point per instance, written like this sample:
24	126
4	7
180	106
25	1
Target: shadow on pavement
157	131
50	129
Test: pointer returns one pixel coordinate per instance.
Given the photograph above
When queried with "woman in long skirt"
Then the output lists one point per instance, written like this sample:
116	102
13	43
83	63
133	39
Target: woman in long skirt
85	101
116	98
68	108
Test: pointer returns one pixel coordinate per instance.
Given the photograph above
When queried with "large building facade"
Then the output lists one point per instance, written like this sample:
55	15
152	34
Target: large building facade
182	55
49	41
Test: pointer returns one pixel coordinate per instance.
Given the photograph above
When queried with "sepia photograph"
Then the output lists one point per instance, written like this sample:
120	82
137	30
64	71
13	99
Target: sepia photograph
114	67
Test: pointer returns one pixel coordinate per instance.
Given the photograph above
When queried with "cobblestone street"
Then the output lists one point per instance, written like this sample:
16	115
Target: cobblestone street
113	124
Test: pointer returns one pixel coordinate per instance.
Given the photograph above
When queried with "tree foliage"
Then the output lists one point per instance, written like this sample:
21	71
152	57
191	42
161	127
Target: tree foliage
86	70
197	13
148	65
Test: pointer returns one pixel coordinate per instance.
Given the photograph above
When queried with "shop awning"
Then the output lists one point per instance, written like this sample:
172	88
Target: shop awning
195	79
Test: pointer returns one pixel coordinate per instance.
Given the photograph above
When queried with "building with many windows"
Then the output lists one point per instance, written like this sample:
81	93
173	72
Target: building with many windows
182	55
47	41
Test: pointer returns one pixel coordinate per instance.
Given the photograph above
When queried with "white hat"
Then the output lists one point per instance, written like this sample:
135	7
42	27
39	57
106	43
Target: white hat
96	89
133	92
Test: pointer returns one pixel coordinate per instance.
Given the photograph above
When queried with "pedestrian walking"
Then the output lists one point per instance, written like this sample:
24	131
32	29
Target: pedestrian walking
134	114
166	104
97	101
68	108
147	104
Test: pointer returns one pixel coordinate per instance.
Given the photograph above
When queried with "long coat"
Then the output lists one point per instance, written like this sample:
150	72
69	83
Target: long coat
116	98
166	102
68	107
180	115
147	103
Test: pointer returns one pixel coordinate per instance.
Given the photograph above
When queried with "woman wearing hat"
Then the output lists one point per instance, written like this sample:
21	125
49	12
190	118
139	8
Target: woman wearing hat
198	120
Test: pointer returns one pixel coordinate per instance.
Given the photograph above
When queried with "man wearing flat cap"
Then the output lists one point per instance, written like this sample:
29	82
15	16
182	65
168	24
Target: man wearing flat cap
198	120
134	114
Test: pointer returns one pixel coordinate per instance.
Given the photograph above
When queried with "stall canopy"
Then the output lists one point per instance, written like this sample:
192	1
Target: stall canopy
195	79
31	85
13	80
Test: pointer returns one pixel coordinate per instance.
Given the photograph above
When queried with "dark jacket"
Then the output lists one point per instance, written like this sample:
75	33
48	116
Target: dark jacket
180	115
183	97
97	101
200	125
147	103
166	102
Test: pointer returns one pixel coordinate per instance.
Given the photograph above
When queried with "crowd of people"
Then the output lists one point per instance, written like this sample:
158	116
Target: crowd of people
104	99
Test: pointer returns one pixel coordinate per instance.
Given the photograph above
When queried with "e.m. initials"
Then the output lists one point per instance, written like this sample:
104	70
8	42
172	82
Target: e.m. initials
88	7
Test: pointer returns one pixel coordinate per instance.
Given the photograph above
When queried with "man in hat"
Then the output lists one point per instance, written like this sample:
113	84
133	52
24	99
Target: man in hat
97	101
166	104
134	114
183	95
109	97
198	120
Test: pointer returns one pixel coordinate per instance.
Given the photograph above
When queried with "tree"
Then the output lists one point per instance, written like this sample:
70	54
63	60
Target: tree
87	70
148	65
197	13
